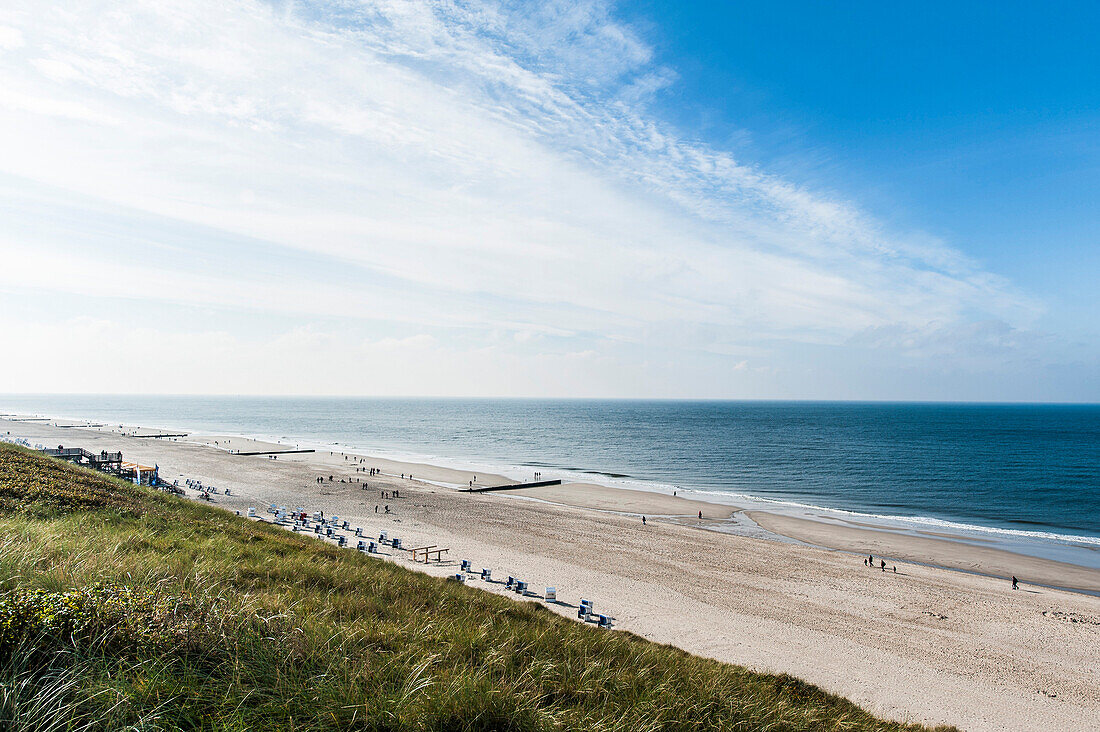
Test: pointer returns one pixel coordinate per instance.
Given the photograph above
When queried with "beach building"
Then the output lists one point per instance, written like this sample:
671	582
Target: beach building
140	474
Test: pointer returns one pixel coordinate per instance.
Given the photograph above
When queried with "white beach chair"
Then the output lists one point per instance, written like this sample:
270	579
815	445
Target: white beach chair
521	587
251	512
551	594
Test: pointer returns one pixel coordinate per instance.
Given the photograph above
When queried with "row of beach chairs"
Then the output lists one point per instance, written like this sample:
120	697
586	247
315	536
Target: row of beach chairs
330	528
585	611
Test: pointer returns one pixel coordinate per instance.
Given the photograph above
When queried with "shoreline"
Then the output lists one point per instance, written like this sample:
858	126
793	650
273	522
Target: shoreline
939	549
925	645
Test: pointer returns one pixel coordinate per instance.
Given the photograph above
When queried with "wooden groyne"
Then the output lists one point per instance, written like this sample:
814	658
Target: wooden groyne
511	486
166	434
272	452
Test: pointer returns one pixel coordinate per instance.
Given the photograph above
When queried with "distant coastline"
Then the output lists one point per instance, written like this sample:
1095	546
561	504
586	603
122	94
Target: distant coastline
1050	555
1025	477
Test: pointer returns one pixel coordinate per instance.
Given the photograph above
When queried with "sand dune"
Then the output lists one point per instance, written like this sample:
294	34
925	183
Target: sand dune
927	644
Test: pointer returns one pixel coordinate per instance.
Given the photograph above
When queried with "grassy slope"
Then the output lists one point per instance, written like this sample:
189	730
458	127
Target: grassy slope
122	606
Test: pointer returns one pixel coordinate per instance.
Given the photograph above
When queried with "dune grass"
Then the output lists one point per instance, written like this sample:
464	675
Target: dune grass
125	608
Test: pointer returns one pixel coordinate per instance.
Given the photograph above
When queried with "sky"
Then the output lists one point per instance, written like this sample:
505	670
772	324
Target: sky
882	201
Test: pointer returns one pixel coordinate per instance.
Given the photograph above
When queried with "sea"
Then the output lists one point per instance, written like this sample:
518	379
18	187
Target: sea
1024	477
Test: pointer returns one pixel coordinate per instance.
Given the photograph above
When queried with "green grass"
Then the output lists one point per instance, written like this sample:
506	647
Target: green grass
125	608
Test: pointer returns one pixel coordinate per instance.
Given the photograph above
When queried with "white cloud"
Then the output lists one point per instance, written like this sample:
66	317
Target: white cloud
10	38
476	166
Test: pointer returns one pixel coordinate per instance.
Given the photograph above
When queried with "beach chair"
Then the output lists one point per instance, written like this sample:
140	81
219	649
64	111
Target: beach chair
551	594
328	531
396	543
604	621
358	530
466	565
486	574
361	546
341	540
382	537
317	529
271	508
316	515
511	581
521	587
251	512
459	577
345	525
372	548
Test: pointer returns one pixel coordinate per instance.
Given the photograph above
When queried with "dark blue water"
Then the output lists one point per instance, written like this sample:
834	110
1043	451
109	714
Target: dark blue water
1026	468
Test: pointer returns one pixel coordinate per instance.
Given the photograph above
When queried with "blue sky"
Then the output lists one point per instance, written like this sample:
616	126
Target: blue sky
727	200
977	121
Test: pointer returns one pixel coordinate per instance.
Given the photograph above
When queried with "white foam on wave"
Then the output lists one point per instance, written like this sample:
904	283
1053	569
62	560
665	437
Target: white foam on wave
956	526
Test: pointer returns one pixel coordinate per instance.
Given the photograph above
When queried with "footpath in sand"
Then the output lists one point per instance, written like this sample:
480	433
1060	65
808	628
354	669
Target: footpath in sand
925	645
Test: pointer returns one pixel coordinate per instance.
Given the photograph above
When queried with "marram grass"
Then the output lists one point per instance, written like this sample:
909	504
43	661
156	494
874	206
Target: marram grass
125	608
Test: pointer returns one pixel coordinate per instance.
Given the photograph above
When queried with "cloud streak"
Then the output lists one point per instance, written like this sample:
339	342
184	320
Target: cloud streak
479	167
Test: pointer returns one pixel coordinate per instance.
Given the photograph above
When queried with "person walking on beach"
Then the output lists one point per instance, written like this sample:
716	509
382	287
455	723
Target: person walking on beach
643	520
1015	583
883	564
700	514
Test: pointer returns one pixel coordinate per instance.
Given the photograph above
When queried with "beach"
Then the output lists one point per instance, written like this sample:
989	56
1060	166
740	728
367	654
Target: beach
926	644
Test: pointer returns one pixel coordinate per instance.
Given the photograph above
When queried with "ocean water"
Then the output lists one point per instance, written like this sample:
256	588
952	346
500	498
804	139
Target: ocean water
1027	475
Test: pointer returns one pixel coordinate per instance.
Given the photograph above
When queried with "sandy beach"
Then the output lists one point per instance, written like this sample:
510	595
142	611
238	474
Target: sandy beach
926	644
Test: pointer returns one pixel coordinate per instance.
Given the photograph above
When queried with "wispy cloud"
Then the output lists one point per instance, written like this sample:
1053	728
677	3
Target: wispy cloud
491	168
